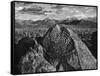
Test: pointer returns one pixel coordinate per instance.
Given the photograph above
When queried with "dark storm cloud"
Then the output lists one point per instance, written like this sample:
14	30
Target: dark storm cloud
57	7
33	10
29	8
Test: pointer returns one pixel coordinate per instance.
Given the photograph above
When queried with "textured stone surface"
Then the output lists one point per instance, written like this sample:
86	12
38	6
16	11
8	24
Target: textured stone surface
34	62
62	51
65	48
87	60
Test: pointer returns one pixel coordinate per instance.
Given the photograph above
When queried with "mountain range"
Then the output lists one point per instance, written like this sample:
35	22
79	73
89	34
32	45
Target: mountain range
89	22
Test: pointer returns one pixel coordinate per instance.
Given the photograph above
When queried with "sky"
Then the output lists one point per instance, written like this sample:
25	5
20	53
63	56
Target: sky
37	11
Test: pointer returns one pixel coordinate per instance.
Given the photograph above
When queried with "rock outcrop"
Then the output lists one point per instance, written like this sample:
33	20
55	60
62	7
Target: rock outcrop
59	50
64	48
34	62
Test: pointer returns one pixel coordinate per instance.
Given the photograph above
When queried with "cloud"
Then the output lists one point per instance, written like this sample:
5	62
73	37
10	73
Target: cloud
57	6
32	10
41	11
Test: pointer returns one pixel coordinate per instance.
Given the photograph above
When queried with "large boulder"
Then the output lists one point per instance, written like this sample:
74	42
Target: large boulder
64	48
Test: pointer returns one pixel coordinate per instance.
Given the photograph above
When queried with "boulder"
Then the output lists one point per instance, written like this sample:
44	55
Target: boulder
63	47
